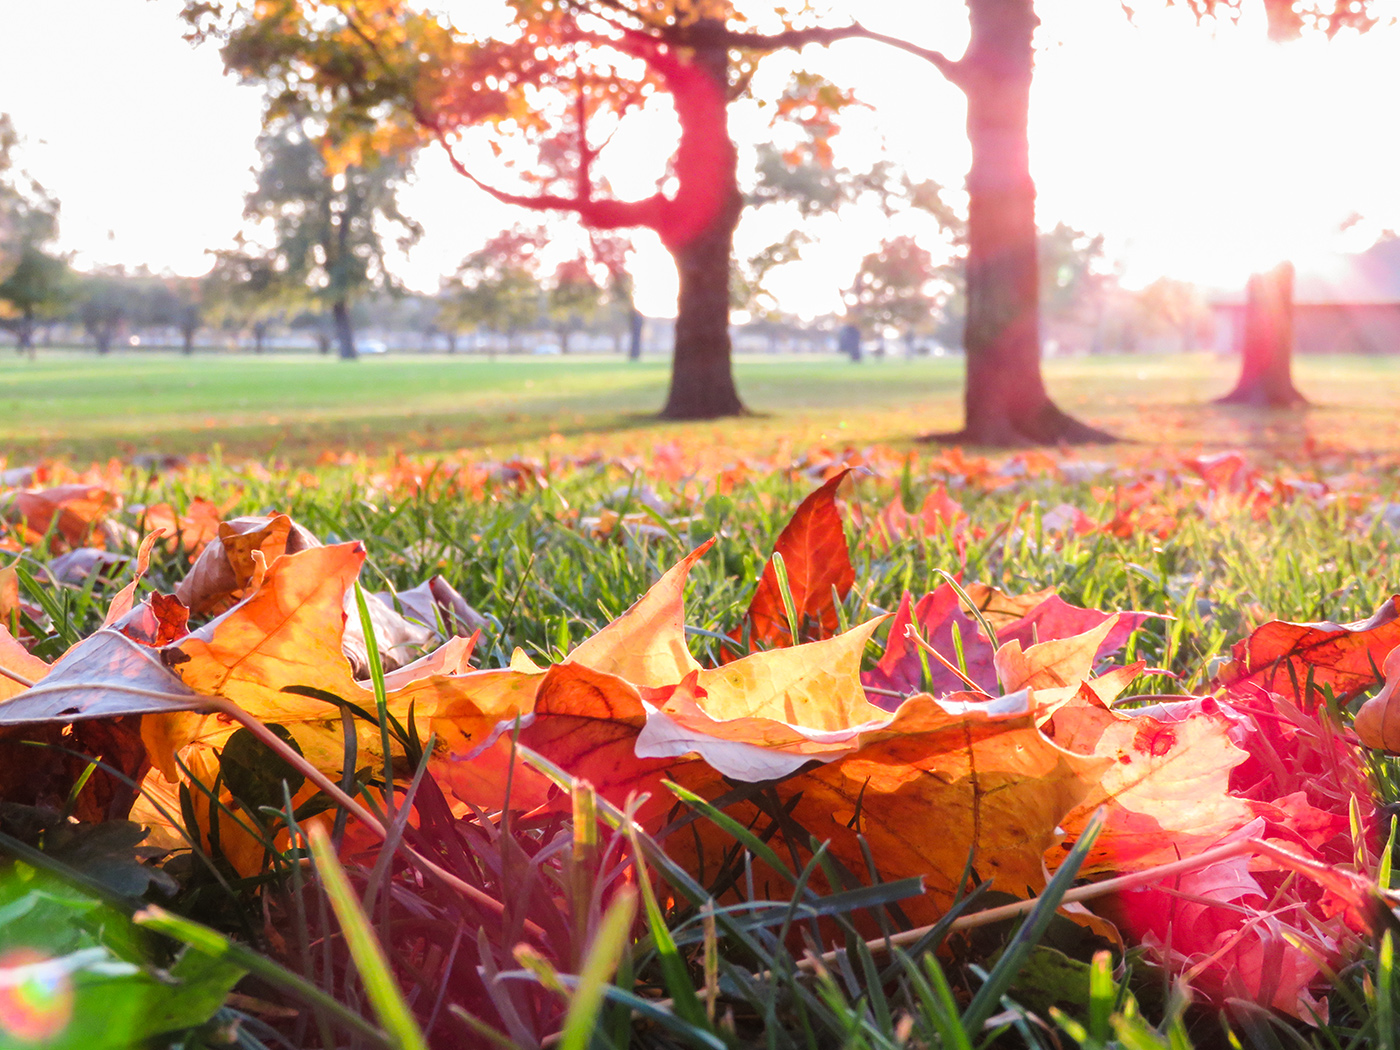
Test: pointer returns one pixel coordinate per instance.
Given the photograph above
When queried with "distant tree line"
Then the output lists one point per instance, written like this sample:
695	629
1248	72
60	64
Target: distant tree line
310	262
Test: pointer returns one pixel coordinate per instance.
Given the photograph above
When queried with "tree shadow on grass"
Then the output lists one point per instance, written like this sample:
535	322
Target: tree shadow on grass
305	442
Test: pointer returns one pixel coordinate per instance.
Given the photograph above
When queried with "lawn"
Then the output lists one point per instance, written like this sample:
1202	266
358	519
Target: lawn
549	551
296	406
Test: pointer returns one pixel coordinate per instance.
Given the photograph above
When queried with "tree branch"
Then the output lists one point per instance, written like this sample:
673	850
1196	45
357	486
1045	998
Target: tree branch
595	214
709	35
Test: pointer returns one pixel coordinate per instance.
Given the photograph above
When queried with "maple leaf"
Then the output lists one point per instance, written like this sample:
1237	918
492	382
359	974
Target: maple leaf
926	786
816	685
1223	471
1165	788
646	644
1283	658
125	598
190	532
938	512
432	601
15	658
288	634
1237	936
1377	723
1030	620
817	562
225	570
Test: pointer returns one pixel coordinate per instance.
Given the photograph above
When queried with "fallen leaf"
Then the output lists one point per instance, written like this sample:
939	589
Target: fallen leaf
224	570
125	598
925	786
1040	619
1282	657
816	685
646	645
817	561
190	532
67	514
436	601
400	641
1165	785
1377	723
19	660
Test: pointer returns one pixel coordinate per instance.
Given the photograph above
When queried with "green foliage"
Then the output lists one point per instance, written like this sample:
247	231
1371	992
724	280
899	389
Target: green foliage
253	775
497	287
79	974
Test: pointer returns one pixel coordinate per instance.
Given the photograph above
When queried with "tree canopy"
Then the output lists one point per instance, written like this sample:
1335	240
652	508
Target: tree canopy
325	228
558	80
33	276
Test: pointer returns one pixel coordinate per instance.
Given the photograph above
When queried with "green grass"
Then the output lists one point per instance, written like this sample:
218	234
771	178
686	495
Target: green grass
519	556
70	403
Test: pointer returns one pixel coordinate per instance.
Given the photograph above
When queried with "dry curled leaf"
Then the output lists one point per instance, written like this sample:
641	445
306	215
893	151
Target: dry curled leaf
224	570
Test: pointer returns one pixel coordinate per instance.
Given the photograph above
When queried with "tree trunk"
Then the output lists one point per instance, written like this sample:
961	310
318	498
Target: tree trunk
344	334
1266	374
187	341
634	334
25	331
702	371
1005	399
259	334
451	342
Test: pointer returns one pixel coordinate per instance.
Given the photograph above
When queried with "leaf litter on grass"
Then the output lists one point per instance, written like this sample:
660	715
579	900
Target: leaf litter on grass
999	749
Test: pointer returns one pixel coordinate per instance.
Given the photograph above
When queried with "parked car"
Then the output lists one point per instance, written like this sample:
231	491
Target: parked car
372	346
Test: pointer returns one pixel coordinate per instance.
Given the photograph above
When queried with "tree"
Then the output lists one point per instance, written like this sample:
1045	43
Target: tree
388	70
749	290
572	298
563	78
105	299
1168	305
178	303
1005	399
38	286
33	278
9	195
1266	372
496	287
245	291
612	251
326	226
897	286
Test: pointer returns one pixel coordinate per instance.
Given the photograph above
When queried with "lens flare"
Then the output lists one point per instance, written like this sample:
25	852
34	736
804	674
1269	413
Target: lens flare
36	998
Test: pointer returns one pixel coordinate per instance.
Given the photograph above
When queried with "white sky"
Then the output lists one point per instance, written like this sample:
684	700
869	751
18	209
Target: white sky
1199	154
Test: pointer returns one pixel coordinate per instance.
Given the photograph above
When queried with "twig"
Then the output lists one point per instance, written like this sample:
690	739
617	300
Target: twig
1319	872
911	631
220	705
15	676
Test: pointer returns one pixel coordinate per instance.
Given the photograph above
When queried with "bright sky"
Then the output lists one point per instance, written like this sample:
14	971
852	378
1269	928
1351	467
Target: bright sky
1200	154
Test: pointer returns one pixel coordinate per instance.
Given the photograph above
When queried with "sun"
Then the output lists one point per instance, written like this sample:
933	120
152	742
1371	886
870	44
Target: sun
1208	155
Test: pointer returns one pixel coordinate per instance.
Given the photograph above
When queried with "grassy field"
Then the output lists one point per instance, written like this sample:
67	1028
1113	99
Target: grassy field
296	406
549	559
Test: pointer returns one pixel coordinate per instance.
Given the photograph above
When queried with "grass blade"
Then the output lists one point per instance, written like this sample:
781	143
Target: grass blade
598	967
379	981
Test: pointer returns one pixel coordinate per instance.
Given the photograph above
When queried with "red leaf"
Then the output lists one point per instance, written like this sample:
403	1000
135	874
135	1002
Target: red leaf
938	613
1279	656
817	559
